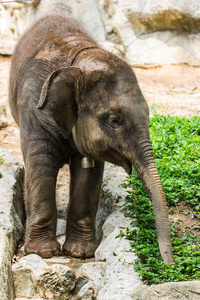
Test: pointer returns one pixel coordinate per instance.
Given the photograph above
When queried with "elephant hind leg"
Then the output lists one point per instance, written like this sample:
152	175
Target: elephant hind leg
85	190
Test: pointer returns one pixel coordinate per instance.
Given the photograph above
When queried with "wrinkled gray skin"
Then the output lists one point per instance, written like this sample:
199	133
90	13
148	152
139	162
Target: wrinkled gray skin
73	99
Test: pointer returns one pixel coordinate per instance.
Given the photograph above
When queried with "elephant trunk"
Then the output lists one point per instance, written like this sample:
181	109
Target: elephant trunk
144	164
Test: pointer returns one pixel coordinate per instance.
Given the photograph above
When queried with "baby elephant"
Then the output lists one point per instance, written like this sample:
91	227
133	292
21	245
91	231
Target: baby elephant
76	103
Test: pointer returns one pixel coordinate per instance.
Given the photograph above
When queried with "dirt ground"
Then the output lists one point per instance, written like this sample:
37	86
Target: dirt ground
173	90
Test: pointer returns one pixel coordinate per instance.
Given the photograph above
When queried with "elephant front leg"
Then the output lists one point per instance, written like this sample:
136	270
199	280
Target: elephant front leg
40	183
85	190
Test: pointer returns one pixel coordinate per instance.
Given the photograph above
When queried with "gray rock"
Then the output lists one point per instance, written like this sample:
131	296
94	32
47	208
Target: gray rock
56	281
112	195
62	191
115	220
120	280
160	48
34	278
169	291
6	283
15	17
57	260
155	32
85	11
94	273
61	227
107	10
86	292
11	219
26	273
11	186
154	15
152	33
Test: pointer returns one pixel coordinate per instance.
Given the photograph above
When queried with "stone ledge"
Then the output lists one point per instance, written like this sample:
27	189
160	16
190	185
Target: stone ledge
109	276
11	219
186	290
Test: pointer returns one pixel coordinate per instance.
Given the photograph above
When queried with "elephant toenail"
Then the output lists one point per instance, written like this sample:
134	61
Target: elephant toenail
47	253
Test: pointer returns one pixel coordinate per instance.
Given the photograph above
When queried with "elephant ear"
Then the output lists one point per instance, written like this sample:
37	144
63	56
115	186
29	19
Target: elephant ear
57	98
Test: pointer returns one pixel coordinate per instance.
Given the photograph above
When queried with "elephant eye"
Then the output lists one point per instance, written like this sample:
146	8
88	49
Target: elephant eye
114	120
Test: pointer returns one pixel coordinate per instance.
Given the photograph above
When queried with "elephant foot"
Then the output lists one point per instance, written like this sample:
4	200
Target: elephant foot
80	240
79	249
45	249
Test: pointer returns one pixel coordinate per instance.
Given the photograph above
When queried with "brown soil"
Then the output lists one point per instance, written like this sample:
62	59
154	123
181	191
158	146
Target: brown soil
170	90
186	219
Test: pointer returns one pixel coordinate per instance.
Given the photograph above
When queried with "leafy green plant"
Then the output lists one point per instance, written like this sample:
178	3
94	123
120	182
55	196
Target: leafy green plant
1	162
176	144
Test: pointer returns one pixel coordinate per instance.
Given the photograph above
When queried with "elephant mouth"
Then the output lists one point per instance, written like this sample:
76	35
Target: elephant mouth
127	167
123	162
118	159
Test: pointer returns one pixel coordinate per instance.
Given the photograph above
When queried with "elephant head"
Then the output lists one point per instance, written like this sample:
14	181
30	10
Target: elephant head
102	106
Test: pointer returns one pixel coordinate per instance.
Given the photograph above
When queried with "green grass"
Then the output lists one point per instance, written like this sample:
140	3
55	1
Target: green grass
176	144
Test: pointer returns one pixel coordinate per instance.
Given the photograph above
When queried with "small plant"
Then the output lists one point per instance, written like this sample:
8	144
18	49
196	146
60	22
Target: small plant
1	162
176	144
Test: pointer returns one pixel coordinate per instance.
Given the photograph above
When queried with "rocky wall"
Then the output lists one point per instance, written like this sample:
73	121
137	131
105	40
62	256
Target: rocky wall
15	17
157	32
11	219
152	33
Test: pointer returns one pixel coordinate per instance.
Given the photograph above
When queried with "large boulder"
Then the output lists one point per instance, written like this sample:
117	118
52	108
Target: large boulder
188	290
33	277
15	17
155	32
85	11
151	32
